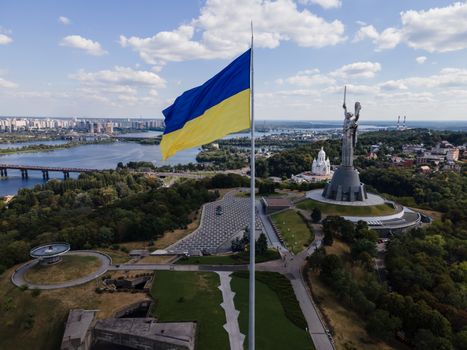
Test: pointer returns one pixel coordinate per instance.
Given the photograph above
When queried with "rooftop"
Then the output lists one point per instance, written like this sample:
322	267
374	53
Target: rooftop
179	333
277	202
78	324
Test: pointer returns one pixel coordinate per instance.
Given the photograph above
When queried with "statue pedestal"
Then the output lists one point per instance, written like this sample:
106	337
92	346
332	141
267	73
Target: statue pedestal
345	186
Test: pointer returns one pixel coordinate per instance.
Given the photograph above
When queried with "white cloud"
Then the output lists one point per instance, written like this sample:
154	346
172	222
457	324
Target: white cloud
78	42
446	78
392	85
357	70
439	29
388	39
326	4
309	78
222	30
5	39
120	85
121	76
352	89
421	59
64	20
6	84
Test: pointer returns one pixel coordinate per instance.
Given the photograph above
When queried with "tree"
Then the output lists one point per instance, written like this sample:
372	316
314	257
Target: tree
425	340
316	259
363	245
316	215
266	187
261	245
329	264
328	239
237	245
382	325
461	340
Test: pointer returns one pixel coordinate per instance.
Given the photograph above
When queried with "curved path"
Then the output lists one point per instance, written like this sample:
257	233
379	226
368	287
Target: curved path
17	278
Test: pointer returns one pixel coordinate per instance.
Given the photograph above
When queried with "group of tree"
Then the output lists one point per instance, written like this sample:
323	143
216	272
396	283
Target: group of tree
442	191
359	237
241	244
292	161
425	301
225	158
100	209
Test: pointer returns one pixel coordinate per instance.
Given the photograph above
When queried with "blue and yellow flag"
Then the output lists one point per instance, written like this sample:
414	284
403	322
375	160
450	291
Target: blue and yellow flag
209	112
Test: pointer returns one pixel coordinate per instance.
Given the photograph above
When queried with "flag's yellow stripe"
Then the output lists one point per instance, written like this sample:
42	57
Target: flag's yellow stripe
231	115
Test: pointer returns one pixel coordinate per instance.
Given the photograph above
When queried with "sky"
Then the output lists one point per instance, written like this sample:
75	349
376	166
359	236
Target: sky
133	58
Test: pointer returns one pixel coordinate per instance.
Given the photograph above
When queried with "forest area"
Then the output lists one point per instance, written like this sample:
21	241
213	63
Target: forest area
101	209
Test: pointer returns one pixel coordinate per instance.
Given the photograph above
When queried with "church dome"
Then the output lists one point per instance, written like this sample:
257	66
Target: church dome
321	153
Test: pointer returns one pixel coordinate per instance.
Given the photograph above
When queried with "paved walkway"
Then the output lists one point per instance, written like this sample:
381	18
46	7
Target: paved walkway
273	239
17	278
217	228
231	314
373	199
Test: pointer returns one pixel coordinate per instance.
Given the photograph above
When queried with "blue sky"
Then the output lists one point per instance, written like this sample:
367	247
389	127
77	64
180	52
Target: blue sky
133	58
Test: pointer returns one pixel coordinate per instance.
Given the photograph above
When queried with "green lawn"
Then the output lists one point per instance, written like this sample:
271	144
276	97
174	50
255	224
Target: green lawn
192	296
294	230
232	259
274	330
333	209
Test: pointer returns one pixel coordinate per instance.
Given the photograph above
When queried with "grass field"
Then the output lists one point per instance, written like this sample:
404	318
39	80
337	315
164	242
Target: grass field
117	256
273	329
333	209
71	267
294	230
192	296
232	259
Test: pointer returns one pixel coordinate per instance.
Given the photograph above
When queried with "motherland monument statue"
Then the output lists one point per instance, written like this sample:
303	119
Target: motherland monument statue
345	184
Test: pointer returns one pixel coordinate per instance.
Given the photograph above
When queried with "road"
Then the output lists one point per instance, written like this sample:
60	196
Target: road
17	278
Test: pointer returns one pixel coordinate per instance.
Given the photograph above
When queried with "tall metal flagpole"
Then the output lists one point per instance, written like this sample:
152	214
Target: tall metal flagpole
251	326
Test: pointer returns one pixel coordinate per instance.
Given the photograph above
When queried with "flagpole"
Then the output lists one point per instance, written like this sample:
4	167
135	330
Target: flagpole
251	326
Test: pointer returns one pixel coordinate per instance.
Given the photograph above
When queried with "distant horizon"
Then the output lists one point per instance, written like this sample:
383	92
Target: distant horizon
361	121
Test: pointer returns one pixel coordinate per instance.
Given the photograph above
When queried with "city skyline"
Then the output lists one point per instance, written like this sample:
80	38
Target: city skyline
98	60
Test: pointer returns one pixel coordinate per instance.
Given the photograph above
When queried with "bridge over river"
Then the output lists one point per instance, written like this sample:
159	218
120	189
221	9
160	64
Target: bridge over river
45	170
66	171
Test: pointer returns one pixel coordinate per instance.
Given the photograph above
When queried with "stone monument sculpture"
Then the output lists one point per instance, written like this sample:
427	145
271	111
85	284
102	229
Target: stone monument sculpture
345	184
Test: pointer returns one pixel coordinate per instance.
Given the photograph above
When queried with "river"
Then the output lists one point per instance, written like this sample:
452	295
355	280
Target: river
99	156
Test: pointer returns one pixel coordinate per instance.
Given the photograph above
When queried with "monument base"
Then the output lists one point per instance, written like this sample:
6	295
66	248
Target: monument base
345	186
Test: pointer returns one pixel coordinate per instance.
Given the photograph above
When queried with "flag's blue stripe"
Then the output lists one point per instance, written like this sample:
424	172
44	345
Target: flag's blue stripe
192	103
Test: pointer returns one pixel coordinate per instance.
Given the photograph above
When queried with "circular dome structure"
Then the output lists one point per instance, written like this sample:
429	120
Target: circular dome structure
49	253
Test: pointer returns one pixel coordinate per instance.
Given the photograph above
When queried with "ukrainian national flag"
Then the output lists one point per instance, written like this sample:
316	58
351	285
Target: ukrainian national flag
209	112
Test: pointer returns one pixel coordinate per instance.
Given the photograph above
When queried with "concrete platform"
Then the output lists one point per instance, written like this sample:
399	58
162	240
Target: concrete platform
373	199
403	219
